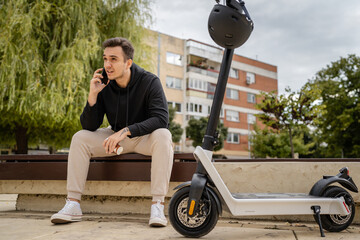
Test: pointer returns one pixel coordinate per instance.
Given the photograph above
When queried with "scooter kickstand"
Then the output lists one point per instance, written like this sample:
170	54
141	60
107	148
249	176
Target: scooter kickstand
316	210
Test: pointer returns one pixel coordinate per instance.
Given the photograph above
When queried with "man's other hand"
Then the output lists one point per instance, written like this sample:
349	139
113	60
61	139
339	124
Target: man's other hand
110	143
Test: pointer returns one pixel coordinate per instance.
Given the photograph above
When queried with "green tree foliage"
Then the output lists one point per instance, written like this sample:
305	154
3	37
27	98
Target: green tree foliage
269	143
196	130
338	125
49	50
175	128
288	112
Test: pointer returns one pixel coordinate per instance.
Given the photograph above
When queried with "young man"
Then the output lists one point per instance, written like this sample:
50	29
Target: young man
136	108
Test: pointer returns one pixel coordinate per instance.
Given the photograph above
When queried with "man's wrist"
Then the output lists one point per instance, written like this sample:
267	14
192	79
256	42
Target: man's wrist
92	99
127	131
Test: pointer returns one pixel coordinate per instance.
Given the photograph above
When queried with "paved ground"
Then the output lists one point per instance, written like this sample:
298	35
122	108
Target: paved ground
36	225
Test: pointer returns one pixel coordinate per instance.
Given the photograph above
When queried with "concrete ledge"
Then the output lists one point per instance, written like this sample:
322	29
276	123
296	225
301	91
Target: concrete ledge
277	177
92	188
89	204
130	205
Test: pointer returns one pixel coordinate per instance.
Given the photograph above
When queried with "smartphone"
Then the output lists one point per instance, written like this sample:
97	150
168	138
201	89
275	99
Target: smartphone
105	78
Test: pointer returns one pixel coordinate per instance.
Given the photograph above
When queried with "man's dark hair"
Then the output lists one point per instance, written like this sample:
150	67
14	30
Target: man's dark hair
125	44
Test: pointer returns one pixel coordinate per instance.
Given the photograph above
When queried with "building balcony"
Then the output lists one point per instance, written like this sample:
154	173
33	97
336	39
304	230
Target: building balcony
203	50
207	72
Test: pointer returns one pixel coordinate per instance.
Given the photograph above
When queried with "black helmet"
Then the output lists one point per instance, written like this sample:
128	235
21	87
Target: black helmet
230	25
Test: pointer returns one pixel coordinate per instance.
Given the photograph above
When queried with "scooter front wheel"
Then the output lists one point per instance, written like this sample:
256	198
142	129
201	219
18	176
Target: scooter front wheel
205	219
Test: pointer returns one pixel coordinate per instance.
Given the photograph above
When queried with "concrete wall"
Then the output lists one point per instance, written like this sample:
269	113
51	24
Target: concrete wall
120	197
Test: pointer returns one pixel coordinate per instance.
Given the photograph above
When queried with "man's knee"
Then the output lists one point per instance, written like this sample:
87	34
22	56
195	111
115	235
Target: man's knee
80	136
162	138
161	134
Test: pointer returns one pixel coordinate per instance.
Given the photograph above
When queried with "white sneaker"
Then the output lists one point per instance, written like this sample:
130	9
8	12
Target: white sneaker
71	212
157	217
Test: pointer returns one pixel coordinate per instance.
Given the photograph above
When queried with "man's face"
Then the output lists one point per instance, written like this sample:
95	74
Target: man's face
115	63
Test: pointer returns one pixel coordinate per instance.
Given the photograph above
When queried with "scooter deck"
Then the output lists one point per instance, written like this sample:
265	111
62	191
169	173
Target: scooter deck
270	195
283	204
268	204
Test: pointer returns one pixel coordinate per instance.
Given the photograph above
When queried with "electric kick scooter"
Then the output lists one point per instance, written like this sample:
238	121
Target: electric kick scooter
196	205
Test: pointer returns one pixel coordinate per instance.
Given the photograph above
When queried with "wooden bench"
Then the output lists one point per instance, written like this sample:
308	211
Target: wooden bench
126	167
118	184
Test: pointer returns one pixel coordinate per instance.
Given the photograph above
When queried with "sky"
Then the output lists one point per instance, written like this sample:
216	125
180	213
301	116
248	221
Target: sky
299	37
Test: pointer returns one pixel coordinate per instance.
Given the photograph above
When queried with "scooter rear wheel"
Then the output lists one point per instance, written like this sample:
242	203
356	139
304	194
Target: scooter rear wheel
204	220
337	223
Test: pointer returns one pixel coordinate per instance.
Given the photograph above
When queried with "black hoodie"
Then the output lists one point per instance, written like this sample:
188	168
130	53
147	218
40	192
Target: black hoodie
141	106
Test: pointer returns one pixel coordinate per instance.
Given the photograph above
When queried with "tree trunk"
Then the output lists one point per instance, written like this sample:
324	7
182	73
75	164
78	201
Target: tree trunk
291	143
21	140
52	150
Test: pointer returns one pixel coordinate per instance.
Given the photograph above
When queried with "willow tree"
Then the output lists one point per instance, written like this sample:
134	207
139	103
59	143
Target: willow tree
48	52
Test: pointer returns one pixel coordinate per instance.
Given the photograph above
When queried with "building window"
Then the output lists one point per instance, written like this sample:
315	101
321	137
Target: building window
232	93
173	82
221	111
175	105
211	87
234	73
232	116
250	78
210	96
198	84
233	138
194	108
174	58
251	119
251	98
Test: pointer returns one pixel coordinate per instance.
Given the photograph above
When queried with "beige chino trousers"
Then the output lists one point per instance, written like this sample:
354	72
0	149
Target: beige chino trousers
86	144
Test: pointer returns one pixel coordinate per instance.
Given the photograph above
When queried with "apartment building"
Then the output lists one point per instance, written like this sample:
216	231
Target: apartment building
189	71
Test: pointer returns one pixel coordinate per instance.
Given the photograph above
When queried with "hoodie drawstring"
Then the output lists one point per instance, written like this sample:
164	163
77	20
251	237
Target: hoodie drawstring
117	110
127	106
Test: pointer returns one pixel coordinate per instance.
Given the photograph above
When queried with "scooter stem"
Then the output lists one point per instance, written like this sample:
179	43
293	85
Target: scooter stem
209	139
199	178
208	143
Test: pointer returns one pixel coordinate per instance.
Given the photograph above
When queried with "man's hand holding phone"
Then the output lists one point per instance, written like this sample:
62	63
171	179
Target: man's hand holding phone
97	83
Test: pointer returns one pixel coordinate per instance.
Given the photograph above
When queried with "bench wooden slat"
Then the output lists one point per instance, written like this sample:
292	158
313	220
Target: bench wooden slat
64	157
98	171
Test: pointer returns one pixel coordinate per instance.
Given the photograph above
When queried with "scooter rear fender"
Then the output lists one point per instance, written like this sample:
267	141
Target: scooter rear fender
342	178
210	190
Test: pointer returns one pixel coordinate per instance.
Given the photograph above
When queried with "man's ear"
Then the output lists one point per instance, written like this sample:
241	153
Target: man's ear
129	63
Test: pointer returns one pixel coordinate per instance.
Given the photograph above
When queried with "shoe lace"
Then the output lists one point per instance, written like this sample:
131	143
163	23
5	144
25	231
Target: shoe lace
157	210
68	208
